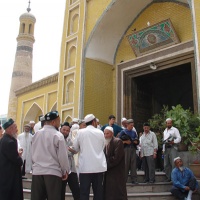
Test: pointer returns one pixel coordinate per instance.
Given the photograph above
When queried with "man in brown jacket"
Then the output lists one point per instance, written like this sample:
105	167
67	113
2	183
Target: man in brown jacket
114	182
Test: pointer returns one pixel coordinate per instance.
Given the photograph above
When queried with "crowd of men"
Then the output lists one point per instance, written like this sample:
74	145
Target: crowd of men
84	154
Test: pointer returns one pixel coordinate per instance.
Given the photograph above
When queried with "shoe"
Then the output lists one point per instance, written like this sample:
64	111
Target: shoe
167	180
134	182
145	181
151	181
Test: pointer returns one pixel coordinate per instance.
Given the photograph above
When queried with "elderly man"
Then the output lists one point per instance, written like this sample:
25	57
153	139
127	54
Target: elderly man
171	139
32	124
72	179
114	179
10	164
90	143
50	160
130	140
149	147
117	129
25	140
184	182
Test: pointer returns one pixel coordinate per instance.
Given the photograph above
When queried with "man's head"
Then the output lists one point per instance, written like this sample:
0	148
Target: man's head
75	121
108	134
146	127
90	120
124	122
81	124
32	124
10	127
53	119
130	124
111	120
65	129
178	163
168	123
27	128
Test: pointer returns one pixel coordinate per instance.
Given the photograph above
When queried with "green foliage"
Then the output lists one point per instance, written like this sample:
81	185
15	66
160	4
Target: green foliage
187	123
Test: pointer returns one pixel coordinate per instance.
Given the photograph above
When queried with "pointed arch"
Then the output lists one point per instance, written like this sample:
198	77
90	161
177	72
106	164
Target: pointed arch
72	1
54	107
32	114
74	24
72	57
68	119
70	91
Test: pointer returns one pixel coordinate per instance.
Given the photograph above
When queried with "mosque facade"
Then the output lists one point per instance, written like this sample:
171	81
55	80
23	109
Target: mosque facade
121	57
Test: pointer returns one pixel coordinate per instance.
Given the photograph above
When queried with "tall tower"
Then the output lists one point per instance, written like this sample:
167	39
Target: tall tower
22	70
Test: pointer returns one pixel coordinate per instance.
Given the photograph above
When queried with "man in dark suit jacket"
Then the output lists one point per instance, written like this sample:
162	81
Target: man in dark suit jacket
10	164
114	182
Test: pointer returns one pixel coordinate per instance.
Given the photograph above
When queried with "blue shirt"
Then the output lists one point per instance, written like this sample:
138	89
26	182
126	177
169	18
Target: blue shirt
181	179
117	129
130	133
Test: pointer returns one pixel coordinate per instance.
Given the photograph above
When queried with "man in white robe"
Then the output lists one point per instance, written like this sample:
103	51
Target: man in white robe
25	140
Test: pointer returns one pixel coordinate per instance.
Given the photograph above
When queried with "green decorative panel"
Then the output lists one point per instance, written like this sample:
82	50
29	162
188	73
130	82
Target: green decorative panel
153	37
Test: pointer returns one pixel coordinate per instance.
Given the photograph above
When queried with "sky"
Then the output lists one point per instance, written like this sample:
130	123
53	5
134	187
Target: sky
49	16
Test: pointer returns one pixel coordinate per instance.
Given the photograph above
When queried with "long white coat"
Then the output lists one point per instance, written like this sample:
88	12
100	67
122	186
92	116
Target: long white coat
25	140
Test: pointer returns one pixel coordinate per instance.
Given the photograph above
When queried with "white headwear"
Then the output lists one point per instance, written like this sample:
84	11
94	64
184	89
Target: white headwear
32	122
168	119
109	128
37	126
177	158
74	127
75	120
97	119
89	118
123	119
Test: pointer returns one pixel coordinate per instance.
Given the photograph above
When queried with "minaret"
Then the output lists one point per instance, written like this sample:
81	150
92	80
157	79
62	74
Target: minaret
22	70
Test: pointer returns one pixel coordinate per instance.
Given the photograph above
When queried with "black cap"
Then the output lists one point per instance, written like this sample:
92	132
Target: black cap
51	115
8	123
65	124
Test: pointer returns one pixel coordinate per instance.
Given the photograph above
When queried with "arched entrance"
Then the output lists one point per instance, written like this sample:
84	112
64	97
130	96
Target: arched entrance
143	89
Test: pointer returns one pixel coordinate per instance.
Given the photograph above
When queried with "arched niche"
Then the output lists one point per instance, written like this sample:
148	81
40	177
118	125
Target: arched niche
72	57
68	119
74	24
70	92
54	108
32	114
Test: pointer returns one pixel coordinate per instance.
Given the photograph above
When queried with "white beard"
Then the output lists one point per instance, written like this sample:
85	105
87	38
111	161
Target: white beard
107	141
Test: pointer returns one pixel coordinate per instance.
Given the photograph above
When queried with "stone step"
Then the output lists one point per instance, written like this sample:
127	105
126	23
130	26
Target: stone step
131	196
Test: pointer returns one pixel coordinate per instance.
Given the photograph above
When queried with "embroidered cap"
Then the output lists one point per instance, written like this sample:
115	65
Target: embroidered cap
51	115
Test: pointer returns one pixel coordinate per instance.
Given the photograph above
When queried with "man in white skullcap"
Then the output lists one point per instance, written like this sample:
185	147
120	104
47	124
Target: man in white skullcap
32	124
171	139
90	143
184	182
114	178
124	122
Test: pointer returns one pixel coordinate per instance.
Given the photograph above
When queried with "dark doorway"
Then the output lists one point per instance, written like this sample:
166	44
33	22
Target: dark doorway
170	87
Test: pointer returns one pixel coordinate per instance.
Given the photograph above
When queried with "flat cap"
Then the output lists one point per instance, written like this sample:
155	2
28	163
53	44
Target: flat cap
8	123
89	118
51	115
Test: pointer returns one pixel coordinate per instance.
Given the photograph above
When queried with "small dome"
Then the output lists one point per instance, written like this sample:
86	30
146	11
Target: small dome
27	15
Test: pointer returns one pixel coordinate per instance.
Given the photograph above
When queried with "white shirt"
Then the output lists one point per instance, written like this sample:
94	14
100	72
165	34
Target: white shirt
49	153
173	132
90	143
25	140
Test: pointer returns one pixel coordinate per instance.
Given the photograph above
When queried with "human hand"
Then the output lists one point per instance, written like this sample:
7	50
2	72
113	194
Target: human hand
187	188
64	177
20	152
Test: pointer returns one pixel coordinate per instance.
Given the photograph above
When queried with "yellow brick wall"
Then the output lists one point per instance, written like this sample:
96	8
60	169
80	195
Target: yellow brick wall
95	9
179	15
197	10
98	91
45	97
